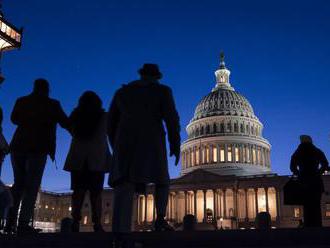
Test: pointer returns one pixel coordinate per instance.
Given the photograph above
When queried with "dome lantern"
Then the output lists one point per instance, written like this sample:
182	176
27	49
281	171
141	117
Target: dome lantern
222	75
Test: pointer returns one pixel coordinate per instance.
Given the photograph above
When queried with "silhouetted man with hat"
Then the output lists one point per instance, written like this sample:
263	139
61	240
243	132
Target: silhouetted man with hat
137	136
309	163
36	117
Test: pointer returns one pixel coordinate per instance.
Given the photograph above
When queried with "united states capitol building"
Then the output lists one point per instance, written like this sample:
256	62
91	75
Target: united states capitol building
226	177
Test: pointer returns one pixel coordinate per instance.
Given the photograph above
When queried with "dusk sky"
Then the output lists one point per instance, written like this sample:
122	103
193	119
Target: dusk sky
278	53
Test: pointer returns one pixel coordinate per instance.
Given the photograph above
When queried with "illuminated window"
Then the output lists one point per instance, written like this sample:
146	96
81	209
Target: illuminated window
327	209
222	154
259	155
197	155
236	154
85	220
192	158
296	212
107	218
203	155
253	155
70	208
215	154
229	154
207	155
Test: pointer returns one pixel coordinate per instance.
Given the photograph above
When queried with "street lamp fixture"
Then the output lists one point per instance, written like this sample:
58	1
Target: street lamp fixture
10	38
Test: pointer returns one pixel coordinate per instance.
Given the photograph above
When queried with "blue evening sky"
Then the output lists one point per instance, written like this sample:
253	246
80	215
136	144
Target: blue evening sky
278	53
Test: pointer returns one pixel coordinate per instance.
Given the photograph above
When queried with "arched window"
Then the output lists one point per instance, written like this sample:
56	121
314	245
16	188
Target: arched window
242	128
215	128
197	132
229	154
222	128
247	129
202	130
235	127
229	127
207	129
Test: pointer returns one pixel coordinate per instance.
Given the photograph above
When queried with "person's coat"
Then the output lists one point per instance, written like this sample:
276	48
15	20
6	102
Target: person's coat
36	118
309	163
93	152
137	134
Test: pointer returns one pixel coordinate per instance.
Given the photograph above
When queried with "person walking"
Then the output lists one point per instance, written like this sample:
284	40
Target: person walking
309	163
89	157
137	137
36	117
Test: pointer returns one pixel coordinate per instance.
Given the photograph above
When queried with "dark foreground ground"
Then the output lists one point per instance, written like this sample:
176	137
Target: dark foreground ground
319	237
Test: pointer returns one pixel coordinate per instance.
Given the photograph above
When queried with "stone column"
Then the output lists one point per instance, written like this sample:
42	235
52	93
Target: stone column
267	203
195	203
241	153
278	205
214	204
226	152
256	199
224	204
153	209
176	206
204	197
251	154
146	208
220	205
185	203
246	205
235	202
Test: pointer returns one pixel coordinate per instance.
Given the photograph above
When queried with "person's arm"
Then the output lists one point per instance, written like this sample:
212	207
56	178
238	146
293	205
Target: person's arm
113	120
172	122
1	119
17	116
294	164
324	163
62	118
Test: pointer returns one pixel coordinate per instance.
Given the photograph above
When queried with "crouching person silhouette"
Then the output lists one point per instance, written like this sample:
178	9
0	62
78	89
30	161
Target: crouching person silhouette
89	157
137	136
305	163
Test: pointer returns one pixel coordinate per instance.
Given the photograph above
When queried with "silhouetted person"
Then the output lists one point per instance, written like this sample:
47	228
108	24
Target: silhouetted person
36	116
89	157
4	148
309	163
5	196
137	136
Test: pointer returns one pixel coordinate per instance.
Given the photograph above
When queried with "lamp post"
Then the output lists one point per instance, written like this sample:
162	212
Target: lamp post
10	38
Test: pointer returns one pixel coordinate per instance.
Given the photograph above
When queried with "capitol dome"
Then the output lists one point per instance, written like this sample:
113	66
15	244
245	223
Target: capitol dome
225	136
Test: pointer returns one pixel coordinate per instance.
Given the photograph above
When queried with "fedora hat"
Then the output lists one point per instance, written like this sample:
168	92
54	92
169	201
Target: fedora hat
151	70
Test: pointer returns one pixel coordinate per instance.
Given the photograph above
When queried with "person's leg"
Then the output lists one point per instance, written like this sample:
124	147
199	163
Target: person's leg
96	204
315	215
161	199
19	169
35	166
123	207
77	199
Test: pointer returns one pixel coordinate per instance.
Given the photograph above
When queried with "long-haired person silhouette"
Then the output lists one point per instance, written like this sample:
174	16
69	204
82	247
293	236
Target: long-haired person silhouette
89	157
